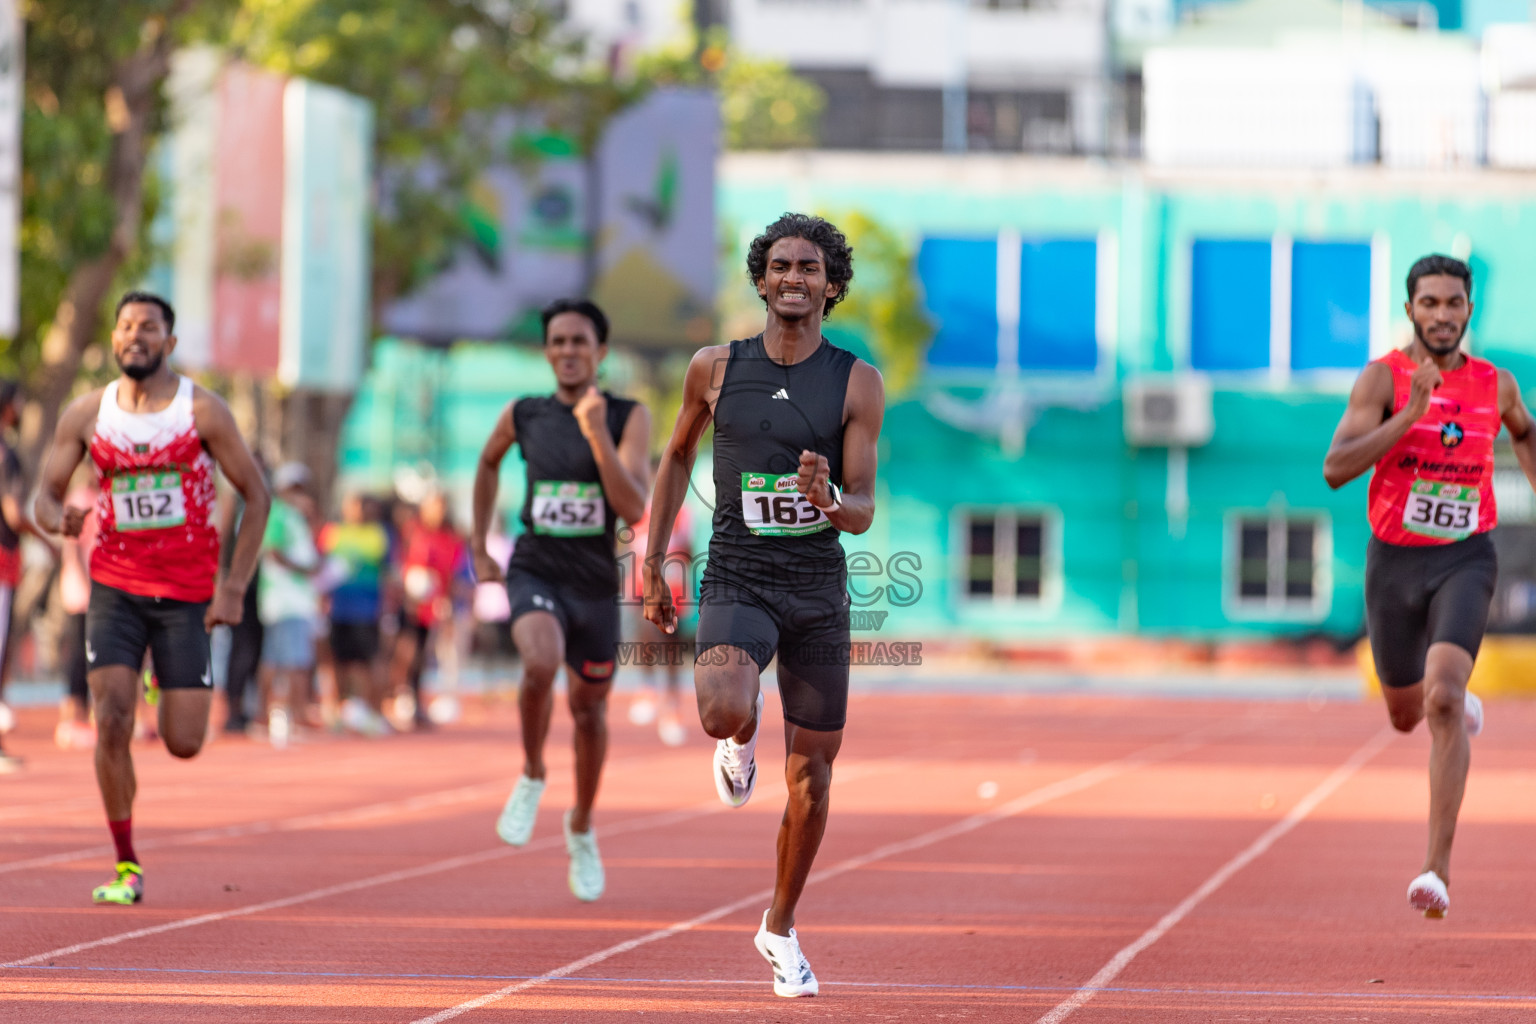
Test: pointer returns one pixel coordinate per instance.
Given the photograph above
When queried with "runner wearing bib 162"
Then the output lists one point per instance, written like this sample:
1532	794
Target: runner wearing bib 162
1425	418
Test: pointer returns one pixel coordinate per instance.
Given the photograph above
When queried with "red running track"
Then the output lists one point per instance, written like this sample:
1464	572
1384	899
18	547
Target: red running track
1138	861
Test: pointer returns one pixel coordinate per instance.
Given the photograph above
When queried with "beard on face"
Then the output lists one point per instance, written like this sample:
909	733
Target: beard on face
144	371
1439	350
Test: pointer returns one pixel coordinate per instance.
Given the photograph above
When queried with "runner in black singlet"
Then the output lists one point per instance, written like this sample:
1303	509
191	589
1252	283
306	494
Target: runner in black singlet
588	465
794	418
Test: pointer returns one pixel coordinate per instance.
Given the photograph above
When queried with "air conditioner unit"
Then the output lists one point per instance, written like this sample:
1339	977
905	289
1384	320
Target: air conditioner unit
1168	411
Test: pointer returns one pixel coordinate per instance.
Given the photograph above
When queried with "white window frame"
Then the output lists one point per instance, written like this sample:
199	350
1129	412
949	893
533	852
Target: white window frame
1005	520
1275	606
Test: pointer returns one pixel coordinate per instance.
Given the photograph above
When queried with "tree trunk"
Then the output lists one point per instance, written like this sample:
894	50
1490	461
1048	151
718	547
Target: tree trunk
130	103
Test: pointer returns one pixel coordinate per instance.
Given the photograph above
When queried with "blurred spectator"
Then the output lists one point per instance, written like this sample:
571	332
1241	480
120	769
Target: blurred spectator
288	603
493	609
356	552
654	647
13	522
74	728
245	640
432	561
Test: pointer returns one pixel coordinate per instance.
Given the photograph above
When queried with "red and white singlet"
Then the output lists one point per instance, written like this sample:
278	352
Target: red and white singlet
1435	486
155	535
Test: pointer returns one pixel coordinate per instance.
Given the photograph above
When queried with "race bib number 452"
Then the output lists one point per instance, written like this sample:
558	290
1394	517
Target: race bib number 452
1447	511
562	508
148	501
771	507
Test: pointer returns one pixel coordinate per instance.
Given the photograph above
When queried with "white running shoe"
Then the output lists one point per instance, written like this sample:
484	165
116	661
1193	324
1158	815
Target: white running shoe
279	728
7	717
642	710
671	730
1474	714
515	826
792	976
586	874
736	765
1428	893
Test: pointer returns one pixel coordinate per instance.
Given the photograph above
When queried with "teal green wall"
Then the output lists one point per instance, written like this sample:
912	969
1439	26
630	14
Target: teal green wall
1125	566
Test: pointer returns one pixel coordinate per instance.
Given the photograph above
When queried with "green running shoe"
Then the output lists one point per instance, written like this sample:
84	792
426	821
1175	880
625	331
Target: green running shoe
586	874
126	889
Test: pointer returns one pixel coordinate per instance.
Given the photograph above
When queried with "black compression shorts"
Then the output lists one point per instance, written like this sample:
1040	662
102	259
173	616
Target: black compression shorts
1417	596
590	624
120	627
808	630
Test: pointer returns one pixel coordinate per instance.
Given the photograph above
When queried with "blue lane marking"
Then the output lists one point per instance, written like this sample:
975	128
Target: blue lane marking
759	981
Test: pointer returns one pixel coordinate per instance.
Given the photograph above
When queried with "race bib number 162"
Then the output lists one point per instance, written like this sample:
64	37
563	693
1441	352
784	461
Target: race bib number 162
771	507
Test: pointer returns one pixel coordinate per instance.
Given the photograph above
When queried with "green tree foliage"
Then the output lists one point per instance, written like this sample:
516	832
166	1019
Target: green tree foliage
885	302
763	104
438	72
92	111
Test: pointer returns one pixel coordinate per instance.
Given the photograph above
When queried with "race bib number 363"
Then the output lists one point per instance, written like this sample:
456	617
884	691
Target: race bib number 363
562	508
1447	511
148	501
771	507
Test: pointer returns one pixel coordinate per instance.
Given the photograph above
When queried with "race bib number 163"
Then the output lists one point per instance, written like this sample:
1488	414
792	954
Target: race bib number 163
771	507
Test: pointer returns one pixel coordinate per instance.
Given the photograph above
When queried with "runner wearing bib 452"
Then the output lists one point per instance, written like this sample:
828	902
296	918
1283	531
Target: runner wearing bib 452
1425	418
588	465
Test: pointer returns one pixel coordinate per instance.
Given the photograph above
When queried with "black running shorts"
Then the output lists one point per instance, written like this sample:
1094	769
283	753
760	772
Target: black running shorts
120	627
808	630
590	624
1417	596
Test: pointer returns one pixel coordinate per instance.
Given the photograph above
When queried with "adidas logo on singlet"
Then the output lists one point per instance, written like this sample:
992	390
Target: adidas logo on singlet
781	393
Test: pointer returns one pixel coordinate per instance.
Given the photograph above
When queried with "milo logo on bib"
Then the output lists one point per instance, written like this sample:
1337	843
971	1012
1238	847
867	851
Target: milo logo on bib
772	507
566	508
1444	511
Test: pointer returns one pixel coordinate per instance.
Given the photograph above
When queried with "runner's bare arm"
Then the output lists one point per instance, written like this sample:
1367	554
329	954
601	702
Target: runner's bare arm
487	482
1368	429
701	386
1517	420
221	436
76	424
861	450
625	468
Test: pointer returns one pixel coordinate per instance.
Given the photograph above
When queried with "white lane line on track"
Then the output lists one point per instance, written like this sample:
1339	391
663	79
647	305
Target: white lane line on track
389	878
661	820
319	819
315	819
1034	798
1111	970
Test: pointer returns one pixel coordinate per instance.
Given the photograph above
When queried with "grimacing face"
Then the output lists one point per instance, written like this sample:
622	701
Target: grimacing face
1440	312
572	348
794	283
141	339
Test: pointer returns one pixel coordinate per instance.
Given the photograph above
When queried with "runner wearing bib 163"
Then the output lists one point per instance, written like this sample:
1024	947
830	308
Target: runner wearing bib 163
1425	418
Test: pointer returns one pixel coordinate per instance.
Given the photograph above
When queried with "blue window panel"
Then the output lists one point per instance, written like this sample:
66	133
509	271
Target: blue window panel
1058	305
1330	305
1229	305
959	278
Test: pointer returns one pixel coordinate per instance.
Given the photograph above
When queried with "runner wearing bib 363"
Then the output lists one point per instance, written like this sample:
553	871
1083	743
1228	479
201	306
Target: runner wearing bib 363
588	465
155	438
794	417
1425	417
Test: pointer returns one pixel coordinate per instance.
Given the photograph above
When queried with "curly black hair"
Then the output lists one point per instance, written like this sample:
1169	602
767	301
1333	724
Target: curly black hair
835	250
